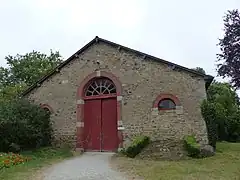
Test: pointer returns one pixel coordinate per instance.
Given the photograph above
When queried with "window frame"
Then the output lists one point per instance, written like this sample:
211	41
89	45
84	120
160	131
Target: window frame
164	99
108	86
163	96
46	106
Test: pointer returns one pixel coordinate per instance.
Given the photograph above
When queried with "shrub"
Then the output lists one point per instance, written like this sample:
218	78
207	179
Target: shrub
191	146
222	113
136	146
233	126
209	114
23	126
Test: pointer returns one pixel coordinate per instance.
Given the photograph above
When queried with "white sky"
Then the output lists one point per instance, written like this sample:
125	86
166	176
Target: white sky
184	32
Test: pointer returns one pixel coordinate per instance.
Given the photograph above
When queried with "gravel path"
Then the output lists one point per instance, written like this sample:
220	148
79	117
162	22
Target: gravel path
89	166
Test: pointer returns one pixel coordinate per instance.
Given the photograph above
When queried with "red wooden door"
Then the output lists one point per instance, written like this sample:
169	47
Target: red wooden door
92	125
109	124
100	124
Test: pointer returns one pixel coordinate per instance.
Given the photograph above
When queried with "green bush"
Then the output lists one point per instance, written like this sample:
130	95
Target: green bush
222	113
136	146
233	127
210	116
23	126
191	146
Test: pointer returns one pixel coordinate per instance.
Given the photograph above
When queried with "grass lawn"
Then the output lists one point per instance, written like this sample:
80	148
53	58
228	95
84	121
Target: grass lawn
38	159
225	165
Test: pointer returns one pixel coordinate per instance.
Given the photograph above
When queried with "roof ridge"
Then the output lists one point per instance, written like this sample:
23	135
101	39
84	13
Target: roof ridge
152	57
97	39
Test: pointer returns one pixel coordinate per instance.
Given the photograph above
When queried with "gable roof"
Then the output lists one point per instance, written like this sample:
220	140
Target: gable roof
208	79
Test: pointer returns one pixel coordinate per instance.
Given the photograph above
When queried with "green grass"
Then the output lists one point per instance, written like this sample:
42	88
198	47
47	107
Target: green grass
39	158
225	165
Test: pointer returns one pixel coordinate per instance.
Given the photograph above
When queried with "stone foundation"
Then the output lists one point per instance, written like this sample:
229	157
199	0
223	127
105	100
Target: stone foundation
64	141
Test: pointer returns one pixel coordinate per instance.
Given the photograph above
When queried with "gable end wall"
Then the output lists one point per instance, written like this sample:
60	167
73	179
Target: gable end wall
143	80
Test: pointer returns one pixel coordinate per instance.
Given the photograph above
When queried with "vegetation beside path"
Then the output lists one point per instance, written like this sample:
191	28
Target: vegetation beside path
27	164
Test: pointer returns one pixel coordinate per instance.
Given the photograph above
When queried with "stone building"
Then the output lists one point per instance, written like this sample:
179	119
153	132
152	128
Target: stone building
105	94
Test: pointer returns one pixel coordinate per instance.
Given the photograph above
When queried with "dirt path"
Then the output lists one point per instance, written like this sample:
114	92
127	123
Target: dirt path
89	166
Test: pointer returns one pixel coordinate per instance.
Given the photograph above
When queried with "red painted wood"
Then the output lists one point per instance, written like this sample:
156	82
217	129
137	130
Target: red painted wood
81	95
92	124
109	124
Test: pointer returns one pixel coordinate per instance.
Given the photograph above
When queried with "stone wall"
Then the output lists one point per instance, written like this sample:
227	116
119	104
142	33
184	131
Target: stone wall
165	149
142	81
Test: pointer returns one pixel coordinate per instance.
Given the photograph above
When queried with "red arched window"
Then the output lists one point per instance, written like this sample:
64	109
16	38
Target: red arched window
100	86
166	102
47	108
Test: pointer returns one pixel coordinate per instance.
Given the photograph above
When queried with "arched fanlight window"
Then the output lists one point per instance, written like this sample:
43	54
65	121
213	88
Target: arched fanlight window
100	86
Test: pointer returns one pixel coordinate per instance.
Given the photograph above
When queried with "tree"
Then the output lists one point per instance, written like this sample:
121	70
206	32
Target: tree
28	68
24	70
226	102
24	125
11	91
221	112
224	94
209	114
199	69
229	58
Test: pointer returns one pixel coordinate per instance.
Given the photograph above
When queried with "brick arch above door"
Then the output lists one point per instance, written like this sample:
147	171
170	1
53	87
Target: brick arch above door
80	104
98	74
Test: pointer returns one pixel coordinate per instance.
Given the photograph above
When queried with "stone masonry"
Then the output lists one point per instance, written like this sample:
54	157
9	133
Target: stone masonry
142	81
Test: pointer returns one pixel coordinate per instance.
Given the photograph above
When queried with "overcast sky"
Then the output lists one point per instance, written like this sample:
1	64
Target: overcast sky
184	32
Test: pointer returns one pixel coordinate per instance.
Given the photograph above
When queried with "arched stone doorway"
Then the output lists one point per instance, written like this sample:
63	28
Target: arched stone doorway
99	113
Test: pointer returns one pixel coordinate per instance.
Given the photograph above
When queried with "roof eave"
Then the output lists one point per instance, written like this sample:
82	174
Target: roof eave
153	57
57	68
208	80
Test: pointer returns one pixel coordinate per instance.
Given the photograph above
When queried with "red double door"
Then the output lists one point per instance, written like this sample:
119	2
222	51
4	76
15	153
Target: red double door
100	125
